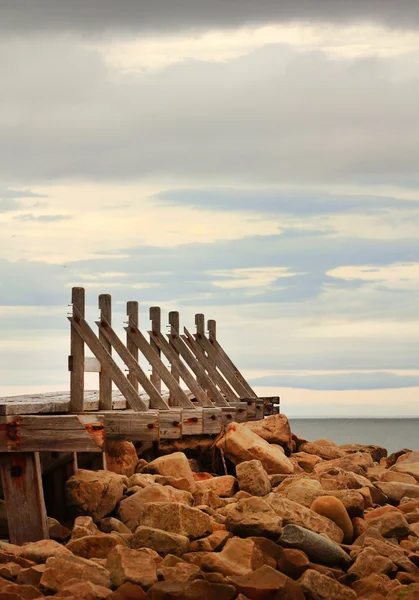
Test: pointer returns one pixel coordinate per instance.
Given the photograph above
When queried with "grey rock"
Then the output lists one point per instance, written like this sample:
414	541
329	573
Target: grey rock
318	548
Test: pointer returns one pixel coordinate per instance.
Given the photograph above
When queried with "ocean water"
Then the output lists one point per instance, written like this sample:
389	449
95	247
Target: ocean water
391	433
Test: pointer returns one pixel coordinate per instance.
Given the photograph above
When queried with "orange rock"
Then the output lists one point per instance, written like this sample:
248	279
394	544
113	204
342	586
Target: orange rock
378	512
359	526
121	458
266	583
333	509
293	562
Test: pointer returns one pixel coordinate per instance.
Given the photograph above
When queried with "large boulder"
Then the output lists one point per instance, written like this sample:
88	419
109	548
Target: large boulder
293	513
239	443
134	566
318	548
253	478
253	517
224	486
60	569
96	546
172	465
94	493
274	429
39	552
396	490
322	450
175	517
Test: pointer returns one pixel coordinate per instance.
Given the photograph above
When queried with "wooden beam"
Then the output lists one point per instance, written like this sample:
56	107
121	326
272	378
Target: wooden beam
179	344
24	497
159	367
200	330
174	322
105	380
156	401
207	364
220	352
134	427
212	336
132	313
76	359
155	317
184	373
107	362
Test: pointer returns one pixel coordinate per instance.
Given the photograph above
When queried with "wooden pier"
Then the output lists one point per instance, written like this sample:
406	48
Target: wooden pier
205	392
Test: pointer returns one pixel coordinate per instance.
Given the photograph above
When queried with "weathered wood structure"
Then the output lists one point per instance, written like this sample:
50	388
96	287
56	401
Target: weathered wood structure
205	392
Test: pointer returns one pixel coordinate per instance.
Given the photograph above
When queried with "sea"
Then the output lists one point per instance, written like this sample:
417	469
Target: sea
391	433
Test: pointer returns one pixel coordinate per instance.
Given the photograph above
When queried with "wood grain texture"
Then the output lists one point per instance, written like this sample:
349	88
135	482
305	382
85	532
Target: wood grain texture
24	497
77	354
192	421
135	427
155	318
220	352
170	423
133	315
174	322
105	380
212	421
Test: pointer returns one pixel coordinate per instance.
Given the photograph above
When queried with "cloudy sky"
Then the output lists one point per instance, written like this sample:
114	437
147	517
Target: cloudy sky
255	161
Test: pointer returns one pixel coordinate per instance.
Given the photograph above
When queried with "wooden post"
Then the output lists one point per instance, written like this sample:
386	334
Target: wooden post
174	322
132	313
212	336
105	380
155	317
24	497
200	332
76	362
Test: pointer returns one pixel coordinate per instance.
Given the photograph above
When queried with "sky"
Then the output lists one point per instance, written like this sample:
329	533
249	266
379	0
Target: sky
257	162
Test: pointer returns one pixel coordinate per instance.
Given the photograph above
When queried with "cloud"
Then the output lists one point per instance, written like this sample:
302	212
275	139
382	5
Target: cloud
42	218
163	15
290	202
288	118
9	198
339	381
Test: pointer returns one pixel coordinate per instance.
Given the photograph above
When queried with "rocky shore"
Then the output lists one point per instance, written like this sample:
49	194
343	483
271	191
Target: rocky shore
290	519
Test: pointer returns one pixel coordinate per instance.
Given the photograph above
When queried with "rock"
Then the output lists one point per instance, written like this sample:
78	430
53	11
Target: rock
390	476
241	444
376	452
57	531
14	591
173	465
129	508
359	525
94	493
391	524
274	429
293	562
333	509
369	562
40	551
215	541
320	587
224	486
378	512
253	516
270	550
182	571
59	569
266	583
324	451
307	461
141	480
6	557
111	524
397	490
405	592
238	557
31	575
375	583
295	514
83	590
335	478
410	457
10	571
179	483
199	589
253	478
408	468
207	498
121	457
175	517
84	526
134	566
392	551
95	546
128	591
317	547
160	541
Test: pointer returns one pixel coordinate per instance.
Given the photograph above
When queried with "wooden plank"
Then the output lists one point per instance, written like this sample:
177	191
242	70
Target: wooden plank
211	420
192	421
76	359
91	365
271	405
24	497
208	365
155	317
156	401
251	408
186	375
220	352
212	336
241	411
170	423
200	330
160	368
212	391
105	380
133	427
132	313
225	369
174	322
228	415
260	410
107	362
53	433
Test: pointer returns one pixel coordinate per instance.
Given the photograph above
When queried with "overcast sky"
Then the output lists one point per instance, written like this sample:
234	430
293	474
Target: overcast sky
255	161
